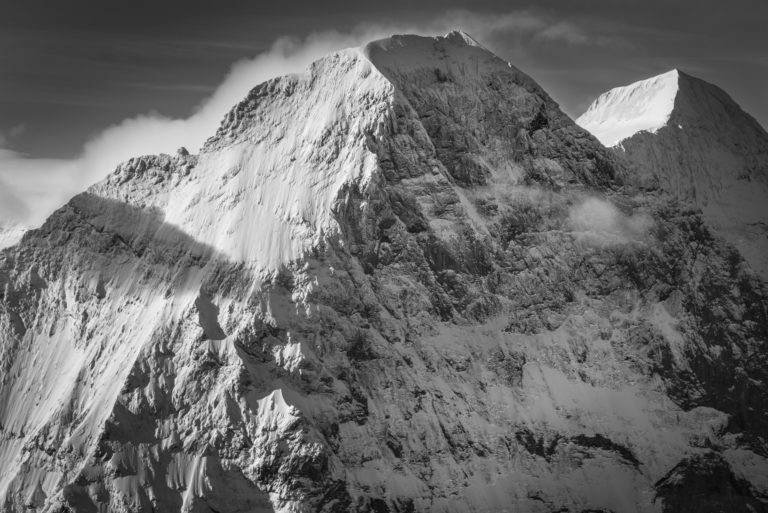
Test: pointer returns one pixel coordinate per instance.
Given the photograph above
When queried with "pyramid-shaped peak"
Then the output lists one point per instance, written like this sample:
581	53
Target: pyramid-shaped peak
624	111
671	98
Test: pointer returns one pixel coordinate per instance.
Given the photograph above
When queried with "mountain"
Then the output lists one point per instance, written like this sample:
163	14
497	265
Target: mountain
690	139
400	281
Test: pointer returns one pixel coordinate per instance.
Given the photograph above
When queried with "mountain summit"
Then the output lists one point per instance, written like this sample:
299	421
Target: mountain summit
400	281
689	138
624	111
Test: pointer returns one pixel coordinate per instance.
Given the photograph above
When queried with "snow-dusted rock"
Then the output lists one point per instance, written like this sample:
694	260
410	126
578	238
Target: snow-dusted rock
689	138
401	281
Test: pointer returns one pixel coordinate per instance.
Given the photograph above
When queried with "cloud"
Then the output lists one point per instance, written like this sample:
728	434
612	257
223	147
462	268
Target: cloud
31	188
599	222
11	207
35	187
565	31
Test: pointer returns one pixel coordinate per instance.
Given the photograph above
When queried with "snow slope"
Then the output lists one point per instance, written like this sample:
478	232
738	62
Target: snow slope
624	111
697	145
402	280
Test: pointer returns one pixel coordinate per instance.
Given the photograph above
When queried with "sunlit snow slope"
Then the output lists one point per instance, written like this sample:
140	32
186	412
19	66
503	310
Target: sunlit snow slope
624	111
689	138
400	281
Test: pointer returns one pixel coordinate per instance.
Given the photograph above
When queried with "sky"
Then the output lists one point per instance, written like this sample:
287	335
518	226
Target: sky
86	84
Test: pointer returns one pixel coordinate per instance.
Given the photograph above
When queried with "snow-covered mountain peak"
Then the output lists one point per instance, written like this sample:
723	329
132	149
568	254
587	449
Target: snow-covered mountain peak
691	139
623	111
672	99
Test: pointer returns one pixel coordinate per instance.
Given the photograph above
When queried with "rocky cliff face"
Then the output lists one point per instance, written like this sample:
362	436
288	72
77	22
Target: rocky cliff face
401	281
690	139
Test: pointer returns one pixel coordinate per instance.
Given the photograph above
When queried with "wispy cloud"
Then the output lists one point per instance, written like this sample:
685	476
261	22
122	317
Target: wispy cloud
599	222
565	31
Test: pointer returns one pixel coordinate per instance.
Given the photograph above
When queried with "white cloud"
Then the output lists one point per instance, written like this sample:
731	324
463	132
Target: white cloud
32	188
599	222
